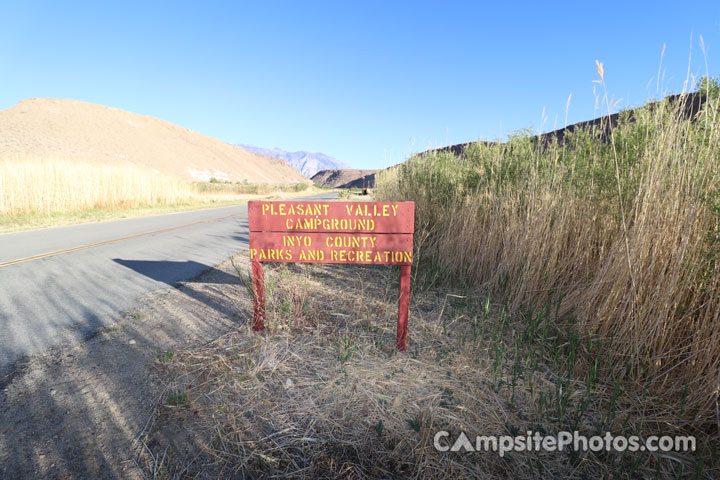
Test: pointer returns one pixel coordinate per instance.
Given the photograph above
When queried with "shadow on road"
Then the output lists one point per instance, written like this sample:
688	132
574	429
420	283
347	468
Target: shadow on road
173	273
170	272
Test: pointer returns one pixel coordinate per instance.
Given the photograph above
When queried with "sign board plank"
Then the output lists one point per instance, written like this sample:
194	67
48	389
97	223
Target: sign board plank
368	249
366	217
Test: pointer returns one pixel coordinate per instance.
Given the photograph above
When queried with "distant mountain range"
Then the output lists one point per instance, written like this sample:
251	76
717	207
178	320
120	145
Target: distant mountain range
307	163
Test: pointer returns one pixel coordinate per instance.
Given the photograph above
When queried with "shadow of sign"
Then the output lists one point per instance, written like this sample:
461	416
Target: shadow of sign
173	272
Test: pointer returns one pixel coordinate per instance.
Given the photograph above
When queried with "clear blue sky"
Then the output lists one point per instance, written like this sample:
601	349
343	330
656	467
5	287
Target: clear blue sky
368	83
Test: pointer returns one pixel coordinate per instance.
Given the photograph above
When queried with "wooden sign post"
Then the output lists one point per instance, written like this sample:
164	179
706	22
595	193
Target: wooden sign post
372	233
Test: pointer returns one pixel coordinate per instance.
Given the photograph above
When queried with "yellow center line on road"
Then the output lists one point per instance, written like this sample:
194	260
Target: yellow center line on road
107	242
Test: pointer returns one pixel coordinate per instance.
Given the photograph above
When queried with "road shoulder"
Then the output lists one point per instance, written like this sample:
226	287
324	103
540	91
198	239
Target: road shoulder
78	411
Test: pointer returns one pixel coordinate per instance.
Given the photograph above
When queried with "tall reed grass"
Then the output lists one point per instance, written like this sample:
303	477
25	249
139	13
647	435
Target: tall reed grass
623	227
46	186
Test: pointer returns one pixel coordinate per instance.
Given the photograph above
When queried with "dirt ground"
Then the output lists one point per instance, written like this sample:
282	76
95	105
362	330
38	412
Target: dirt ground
180	387
78	411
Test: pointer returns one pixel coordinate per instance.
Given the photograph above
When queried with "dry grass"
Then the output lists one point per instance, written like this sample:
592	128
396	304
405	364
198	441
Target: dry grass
245	188
45	186
325	395
623	230
41	191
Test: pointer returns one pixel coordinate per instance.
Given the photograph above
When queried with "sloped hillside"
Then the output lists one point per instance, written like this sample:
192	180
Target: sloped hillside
687	106
345	178
74	130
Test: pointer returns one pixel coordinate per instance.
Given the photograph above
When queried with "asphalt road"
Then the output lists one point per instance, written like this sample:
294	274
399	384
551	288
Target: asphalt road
50	300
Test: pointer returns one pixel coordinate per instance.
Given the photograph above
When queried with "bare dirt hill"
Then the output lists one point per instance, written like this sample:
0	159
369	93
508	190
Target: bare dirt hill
74	130
345	178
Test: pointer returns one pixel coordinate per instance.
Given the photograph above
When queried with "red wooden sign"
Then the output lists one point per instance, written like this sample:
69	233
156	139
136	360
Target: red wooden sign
368	217
373	233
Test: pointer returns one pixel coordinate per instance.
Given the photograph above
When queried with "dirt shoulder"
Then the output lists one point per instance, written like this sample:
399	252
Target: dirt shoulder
77	412
182	388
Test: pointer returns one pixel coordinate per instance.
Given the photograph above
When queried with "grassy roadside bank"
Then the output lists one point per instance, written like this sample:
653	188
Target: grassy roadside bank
614	235
325	395
36	221
558	287
38	193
